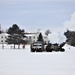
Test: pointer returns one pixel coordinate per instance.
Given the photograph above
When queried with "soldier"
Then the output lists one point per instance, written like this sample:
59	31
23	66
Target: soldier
2	46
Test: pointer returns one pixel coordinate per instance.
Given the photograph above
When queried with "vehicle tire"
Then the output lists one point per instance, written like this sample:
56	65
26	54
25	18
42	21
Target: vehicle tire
39	50
56	50
32	50
48	49
62	50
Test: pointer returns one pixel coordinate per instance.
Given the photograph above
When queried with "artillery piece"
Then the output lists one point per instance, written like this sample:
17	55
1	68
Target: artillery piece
55	47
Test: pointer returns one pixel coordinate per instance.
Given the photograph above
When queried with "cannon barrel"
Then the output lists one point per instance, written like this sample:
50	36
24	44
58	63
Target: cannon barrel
62	44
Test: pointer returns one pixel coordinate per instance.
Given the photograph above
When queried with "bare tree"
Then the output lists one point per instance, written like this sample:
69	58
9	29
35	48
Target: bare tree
47	32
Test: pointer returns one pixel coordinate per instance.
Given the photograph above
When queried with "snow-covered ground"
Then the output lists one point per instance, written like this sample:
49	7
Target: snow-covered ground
23	62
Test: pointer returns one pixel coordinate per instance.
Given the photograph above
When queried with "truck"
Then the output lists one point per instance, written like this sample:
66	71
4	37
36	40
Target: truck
37	46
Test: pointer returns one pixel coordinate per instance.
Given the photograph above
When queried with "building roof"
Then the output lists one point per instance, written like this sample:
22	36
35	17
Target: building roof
4	34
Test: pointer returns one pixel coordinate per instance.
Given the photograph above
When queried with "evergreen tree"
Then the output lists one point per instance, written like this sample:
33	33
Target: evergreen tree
16	35
40	38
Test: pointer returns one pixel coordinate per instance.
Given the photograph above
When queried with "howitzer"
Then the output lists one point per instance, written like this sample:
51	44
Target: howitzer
55	47
62	44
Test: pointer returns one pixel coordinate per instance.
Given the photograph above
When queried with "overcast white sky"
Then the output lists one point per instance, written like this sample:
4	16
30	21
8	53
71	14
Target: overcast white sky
34	14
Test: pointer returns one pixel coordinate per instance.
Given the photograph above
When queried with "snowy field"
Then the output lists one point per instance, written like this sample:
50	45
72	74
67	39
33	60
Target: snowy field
23	62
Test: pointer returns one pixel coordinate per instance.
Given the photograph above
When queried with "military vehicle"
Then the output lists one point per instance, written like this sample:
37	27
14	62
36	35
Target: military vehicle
37	46
55	47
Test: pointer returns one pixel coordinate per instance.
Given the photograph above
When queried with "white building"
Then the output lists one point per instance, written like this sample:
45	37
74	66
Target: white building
34	37
3	37
30	37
